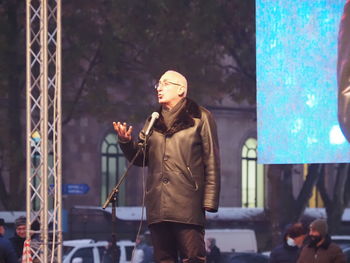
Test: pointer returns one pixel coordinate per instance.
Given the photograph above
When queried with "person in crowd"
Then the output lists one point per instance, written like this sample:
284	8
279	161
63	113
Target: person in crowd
143	252
321	249
182	155
7	253
19	236
108	253
213	252
288	251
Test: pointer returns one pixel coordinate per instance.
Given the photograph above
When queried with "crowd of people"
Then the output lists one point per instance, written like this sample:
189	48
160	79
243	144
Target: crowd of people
11	249
302	244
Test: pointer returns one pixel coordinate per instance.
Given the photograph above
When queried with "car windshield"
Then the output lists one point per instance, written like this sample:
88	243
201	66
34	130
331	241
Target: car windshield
249	258
66	250
342	241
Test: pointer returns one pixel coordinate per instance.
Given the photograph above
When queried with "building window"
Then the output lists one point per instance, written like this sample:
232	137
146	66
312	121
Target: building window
252	176
113	165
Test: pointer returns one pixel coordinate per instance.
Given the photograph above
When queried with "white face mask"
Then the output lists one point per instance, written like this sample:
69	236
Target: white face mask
290	242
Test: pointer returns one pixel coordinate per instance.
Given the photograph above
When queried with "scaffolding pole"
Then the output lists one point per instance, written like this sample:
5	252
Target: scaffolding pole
43	135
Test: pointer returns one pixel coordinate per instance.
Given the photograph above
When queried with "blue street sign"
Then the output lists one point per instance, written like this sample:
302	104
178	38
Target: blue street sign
75	189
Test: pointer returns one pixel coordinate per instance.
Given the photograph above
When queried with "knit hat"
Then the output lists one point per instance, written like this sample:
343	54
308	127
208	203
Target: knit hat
320	225
20	221
2	222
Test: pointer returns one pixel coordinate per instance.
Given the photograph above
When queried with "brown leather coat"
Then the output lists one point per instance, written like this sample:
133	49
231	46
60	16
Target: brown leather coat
328	252
183	167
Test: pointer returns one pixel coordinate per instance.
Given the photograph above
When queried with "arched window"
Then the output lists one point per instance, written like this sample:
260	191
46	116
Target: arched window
252	176
113	165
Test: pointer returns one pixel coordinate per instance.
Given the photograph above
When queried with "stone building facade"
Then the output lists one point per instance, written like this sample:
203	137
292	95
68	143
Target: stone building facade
91	157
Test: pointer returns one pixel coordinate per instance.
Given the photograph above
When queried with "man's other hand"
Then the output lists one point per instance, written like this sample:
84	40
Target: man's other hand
124	133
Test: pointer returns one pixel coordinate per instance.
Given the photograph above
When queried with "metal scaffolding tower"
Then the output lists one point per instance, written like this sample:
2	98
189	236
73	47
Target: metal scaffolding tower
43	136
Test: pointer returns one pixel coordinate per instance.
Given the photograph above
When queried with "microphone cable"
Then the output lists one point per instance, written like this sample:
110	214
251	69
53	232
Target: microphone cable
144	151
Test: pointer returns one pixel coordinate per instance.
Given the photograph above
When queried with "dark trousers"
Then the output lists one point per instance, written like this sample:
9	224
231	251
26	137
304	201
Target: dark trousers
169	238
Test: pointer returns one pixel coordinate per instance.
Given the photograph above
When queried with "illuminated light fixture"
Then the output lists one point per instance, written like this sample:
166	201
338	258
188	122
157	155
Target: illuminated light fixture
336	136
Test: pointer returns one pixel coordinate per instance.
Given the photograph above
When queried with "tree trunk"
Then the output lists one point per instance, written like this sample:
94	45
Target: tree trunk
287	201
283	207
335	206
273	211
314	172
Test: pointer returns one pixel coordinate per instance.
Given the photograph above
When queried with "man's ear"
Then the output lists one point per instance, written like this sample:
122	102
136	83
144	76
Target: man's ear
181	91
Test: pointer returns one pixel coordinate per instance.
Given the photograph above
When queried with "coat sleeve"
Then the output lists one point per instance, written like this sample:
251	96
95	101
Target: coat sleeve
9	253
339	256
211	159
272	258
130	149
302	255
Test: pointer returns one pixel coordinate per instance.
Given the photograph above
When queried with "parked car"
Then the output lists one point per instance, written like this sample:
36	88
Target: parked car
266	253
233	240
341	239
344	242
89	251
245	258
346	249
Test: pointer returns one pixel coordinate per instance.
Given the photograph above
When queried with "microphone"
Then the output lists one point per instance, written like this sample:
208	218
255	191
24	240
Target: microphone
155	115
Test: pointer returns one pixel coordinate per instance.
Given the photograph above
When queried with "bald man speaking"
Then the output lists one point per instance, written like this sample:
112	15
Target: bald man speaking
182	155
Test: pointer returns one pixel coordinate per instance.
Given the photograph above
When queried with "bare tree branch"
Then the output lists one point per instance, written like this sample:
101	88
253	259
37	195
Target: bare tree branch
339	189
82	86
322	189
314	171
335	206
347	186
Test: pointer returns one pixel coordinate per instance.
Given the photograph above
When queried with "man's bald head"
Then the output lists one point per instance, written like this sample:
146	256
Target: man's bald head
175	77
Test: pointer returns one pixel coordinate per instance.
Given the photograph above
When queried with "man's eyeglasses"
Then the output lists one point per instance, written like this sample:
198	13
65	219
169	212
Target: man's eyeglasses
165	84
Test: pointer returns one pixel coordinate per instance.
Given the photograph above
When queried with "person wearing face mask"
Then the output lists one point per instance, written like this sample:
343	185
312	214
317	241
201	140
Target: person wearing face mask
293	239
321	249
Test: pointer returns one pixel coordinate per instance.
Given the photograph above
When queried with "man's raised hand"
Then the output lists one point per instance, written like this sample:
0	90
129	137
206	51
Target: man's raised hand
124	133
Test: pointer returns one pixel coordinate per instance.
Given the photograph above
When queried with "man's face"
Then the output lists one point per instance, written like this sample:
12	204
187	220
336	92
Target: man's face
21	231
314	232
169	90
315	236
2	230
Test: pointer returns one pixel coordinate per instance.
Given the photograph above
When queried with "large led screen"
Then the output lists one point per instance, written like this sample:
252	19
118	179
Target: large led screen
297	86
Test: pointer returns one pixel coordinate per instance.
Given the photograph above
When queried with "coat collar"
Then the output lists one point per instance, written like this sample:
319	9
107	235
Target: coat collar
183	120
325	243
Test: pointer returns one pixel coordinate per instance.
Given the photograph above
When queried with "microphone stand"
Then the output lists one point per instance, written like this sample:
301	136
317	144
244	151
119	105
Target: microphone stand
112	198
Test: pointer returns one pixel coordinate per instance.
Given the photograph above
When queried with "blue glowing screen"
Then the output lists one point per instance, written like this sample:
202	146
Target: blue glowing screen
297	90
